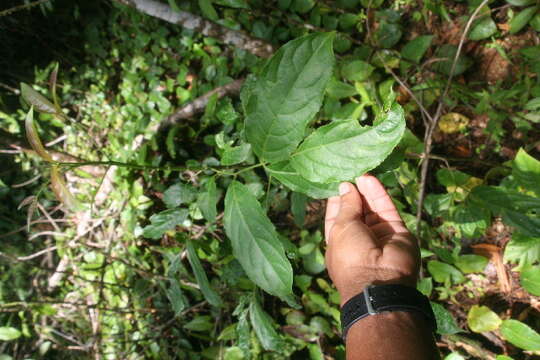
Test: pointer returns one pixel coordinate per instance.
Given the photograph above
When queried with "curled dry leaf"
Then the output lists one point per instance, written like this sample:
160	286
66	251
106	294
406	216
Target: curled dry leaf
60	189
33	137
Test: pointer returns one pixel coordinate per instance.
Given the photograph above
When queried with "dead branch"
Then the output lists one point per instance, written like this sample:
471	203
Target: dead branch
196	23
199	104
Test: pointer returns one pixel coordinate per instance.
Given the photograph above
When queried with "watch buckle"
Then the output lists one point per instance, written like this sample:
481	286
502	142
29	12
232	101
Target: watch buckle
367	297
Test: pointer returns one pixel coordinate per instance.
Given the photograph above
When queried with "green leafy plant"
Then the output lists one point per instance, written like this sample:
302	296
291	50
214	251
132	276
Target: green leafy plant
279	102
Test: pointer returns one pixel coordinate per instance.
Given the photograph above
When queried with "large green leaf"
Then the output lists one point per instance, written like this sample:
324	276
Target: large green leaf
287	95
209	294
482	319
255	242
516	209
526	171
521	335
262	324
288	176
343	150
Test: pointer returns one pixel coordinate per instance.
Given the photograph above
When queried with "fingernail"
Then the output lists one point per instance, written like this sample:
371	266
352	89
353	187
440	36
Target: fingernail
343	188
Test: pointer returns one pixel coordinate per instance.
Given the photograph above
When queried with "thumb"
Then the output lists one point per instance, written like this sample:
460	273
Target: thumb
350	203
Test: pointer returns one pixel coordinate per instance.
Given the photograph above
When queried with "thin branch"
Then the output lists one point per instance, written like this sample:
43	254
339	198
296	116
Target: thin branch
205	27
428	137
409	91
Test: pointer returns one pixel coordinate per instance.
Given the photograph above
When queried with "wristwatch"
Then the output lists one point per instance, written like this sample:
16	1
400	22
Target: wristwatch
380	298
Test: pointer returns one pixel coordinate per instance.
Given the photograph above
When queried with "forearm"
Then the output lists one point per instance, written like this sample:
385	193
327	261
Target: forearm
394	335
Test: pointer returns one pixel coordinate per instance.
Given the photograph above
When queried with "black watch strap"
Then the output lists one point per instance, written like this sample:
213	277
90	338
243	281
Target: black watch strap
379	298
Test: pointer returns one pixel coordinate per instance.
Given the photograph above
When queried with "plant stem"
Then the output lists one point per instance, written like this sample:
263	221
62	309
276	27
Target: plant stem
216	169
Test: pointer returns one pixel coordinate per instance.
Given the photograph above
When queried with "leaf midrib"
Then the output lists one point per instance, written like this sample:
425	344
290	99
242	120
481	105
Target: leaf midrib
333	143
274	115
241	216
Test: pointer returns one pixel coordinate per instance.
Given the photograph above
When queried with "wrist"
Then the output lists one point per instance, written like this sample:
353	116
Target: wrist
377	299
393	335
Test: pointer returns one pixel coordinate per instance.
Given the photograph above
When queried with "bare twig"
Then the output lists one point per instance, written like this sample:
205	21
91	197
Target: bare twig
199	104
190	21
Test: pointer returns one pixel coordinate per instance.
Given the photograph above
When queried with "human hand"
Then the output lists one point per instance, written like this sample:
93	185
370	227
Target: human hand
367	241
